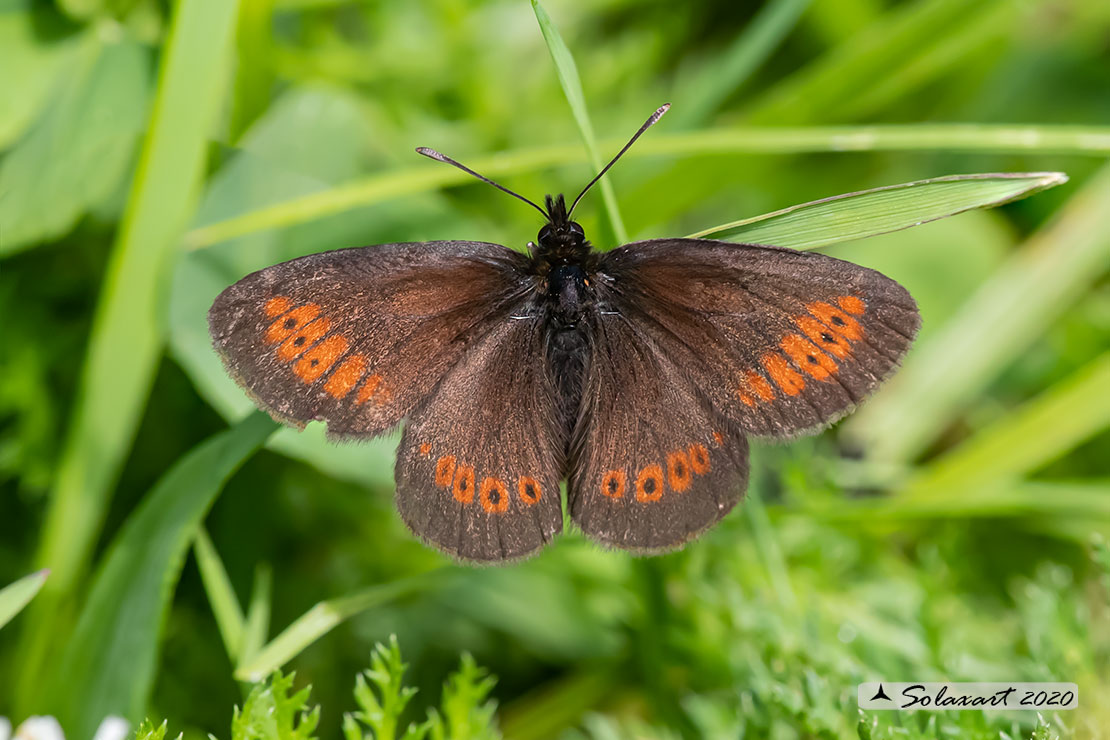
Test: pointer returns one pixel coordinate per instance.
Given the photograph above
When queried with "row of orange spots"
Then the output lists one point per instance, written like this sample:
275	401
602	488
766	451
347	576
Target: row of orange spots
302	333
828	330
682	465
493	492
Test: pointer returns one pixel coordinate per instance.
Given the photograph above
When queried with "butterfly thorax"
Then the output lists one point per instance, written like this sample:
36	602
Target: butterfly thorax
563	264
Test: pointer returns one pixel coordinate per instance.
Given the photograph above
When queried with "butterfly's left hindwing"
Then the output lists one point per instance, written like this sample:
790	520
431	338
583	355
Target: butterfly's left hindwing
479	465
358	337
653	465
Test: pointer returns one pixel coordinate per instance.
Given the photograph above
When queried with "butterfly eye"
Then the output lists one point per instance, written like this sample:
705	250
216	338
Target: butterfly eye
576	229
545	234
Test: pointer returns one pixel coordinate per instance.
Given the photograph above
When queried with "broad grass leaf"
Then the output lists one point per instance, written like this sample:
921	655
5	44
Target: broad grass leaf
109	662
31	65
84	143
881	210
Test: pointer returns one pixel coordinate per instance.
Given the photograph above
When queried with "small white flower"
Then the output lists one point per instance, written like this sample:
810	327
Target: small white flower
5	728
112	728
39	728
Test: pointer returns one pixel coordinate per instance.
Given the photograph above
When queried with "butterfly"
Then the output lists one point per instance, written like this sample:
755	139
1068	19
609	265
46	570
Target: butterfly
635	375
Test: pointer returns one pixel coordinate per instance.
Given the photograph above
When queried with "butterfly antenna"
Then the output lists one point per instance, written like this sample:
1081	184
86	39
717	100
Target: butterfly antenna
433	154
651	121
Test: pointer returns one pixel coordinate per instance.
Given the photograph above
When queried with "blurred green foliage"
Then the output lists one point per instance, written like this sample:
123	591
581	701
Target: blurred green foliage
152	152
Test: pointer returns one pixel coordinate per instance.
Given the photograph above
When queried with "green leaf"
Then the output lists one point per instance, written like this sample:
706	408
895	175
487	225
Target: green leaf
1022	299
31	67
322	618
126	340
390	185
467	710
567	72
271	712
78	151
381	694
15	596
1042	430
221	596
721	75
882	210
109	662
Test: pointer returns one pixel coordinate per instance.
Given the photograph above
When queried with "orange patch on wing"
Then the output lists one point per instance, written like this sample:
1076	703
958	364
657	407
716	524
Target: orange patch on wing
808	357
840	322
748	400
277	305
445	470
494	496
366	392
284	327
784	376
699	457
612	483
308	335
759	385
679	474
824	337
425	449
851	304
463	487
529	489
321	357
346	376
718	439
649	483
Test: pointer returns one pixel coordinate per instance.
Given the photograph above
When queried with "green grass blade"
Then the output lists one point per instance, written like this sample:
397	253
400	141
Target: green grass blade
567	72
722	75
828	88
114	648
221	596
1069	140
127	333
258	614
1078	500
15	596
1049	426
882	210
1023	298
321	619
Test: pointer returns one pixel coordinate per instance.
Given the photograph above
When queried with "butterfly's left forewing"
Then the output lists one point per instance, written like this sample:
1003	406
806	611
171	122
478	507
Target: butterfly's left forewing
780	342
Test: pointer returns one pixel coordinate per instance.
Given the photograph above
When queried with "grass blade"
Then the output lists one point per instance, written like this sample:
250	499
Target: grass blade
127	333
1049	426
258	614
1024	297
1069	140
722	76
221	596
114	648
15	596
567	71
321	619
882	210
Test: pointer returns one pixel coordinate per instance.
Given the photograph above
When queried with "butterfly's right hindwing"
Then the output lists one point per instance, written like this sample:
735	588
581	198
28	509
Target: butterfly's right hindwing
358	337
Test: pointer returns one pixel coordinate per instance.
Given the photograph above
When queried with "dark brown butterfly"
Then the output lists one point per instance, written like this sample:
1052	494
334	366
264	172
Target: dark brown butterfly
635	375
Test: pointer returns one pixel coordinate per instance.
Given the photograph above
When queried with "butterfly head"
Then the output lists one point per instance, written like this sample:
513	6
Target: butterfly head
560	235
